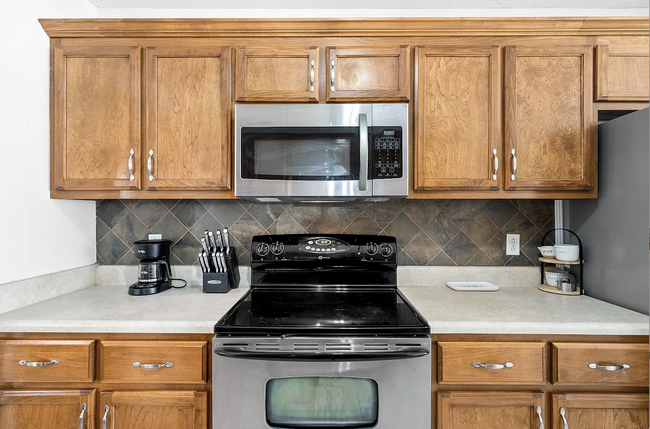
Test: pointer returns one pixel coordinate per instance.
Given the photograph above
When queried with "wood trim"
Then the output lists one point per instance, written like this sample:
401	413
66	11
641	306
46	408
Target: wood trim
601	105
343	27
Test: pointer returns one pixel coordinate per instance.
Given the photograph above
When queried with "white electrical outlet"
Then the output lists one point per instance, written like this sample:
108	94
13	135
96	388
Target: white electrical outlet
512	244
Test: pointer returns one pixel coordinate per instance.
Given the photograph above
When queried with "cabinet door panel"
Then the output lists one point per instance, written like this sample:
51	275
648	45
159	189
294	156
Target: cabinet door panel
549	120
457	118
155	409
277	74
373	74
601	410
489	410
51	409
96	120
623	73
188	118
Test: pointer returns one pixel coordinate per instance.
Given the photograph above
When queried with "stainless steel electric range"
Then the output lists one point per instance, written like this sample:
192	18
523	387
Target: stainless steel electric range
323	339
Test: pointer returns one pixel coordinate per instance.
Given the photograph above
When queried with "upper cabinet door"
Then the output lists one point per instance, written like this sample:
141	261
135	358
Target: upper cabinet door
277	74
549	123
622	73
457	114
188	107
96	118
372	74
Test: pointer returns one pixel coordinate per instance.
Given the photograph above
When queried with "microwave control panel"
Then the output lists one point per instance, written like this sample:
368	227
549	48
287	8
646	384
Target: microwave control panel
387	152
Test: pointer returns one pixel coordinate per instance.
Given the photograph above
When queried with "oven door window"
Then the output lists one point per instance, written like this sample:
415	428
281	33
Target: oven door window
300	153
322	402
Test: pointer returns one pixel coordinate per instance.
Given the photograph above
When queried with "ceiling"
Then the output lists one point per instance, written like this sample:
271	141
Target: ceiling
371	4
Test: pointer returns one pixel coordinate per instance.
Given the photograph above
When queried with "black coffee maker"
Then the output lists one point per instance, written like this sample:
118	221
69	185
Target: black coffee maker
155	273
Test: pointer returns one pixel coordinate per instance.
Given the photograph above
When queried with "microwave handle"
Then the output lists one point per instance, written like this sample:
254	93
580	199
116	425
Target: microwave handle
363	152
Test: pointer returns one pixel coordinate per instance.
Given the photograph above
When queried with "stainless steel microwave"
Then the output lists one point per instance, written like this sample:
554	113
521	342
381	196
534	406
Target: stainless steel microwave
321	152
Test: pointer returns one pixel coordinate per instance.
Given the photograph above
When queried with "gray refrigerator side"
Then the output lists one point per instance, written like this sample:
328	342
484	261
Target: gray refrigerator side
614	228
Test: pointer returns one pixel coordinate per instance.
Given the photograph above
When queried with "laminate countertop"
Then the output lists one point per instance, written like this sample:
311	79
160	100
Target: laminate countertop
511	310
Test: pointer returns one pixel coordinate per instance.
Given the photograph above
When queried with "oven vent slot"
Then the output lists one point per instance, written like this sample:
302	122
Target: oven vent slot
306	346
267	346
408	345
340	347
235	344
375	347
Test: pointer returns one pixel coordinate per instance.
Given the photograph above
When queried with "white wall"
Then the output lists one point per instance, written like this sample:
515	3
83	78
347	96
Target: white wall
345	13
37	235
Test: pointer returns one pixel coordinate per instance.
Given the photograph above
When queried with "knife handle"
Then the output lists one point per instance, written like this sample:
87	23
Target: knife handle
226	240
218	240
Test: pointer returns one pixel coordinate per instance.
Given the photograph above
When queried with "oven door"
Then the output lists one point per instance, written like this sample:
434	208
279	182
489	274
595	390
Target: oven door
263	384
302	151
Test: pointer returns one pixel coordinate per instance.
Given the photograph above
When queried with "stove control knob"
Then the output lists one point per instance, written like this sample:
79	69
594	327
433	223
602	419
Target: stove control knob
277	248
386	249
262	249
371	249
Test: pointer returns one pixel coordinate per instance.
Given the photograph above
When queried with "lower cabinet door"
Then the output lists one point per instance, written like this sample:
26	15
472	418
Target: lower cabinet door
47	409
600	411
157	409
491	410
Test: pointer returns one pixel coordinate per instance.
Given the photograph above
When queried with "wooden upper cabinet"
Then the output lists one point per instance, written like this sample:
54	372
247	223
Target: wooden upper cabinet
601	410
457	118
286	74
622	73
167	409
188	118
490	410
549	124
96	118
51	409
368	73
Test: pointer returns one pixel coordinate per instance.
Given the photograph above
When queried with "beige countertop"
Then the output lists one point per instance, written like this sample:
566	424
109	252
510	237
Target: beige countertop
511	310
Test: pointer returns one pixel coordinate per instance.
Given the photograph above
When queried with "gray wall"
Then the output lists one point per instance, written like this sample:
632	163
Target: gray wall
614	228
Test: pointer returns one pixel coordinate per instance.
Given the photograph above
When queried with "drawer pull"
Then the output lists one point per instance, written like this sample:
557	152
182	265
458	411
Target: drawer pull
538	410
35	364
609	367
106	408
492	365
566	424
153	365
81	416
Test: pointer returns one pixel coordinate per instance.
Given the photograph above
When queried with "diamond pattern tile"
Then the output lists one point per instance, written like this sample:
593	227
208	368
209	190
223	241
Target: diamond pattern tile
429	232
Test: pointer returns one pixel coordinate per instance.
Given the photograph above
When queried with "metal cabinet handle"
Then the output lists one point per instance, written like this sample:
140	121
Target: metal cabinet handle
363	152
131	175
106	408
609	367
496	164
332	75
150	165
514	164
566	424
538	410
35	364
153	365
492	365
81	416
312	75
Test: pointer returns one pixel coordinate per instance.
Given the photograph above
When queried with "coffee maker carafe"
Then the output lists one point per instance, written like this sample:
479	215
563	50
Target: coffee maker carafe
154	271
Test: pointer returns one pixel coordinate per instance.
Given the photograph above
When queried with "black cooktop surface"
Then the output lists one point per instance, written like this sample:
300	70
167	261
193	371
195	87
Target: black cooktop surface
328	311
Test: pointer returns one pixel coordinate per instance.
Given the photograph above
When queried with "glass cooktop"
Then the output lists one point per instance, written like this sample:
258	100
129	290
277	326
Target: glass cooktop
309	311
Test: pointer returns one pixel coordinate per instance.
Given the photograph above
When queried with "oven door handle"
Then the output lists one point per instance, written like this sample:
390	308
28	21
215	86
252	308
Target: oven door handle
410	353
363	152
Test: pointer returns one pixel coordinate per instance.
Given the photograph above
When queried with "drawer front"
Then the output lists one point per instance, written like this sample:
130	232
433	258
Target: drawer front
47	361
167	362
503	363
571	364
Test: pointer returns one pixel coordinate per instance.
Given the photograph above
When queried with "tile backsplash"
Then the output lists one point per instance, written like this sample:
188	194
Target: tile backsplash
429	232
